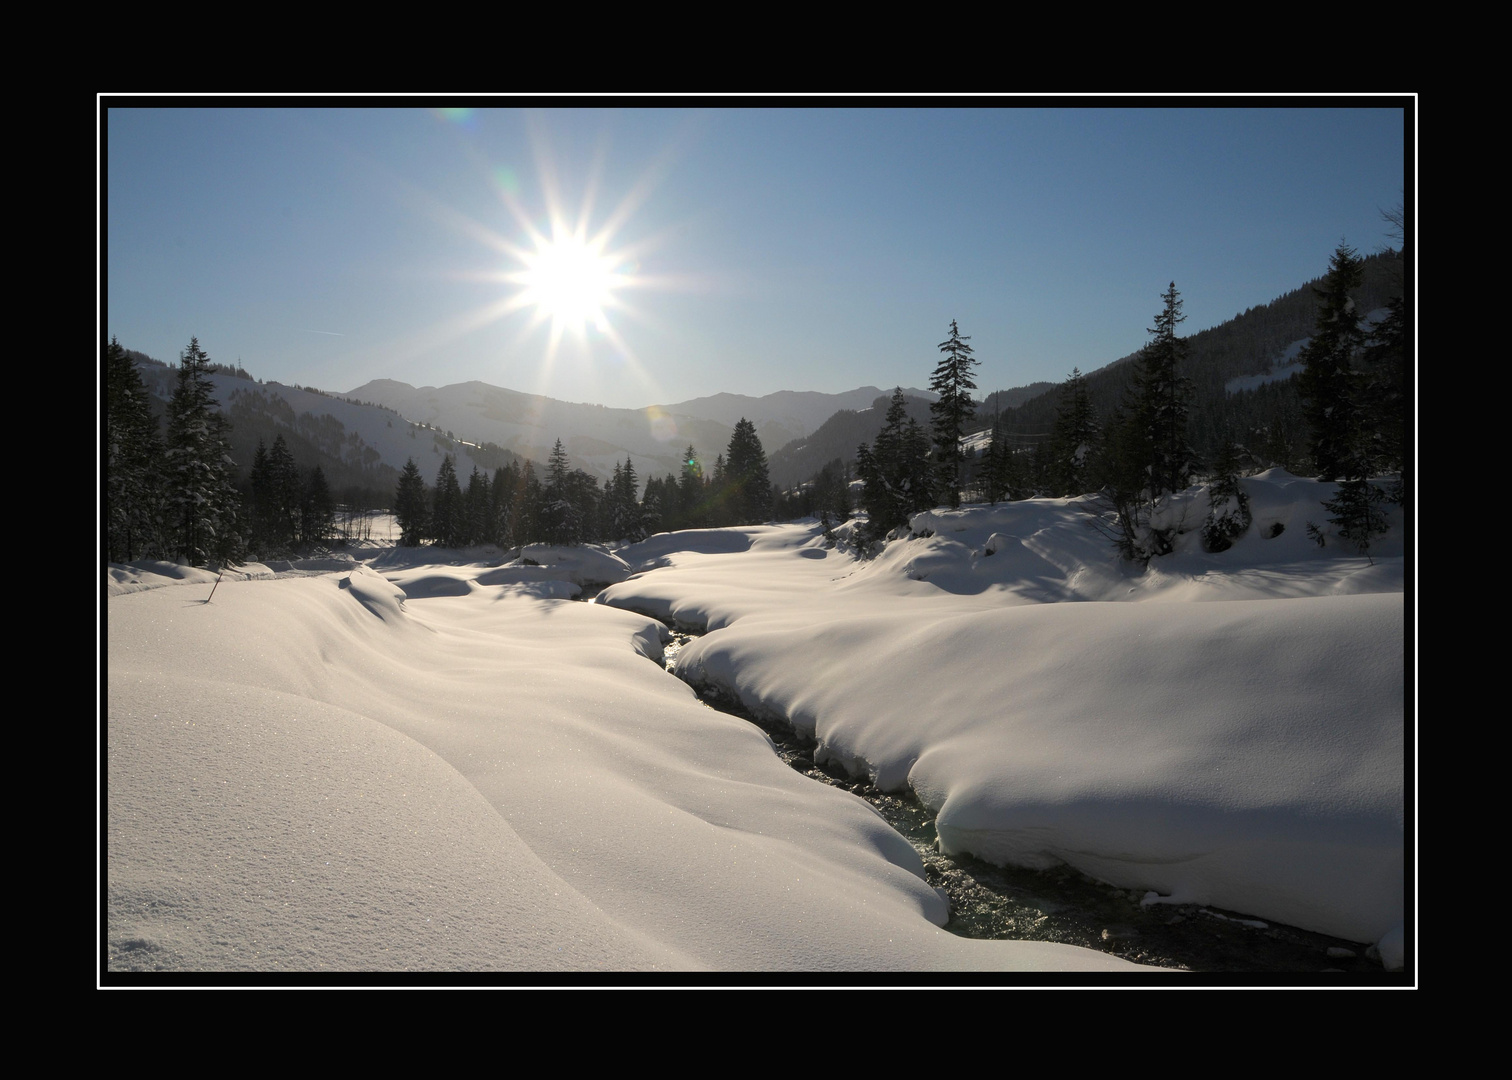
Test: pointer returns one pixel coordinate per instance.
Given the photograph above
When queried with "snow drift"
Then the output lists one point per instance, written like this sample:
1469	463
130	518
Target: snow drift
450	767
327	774
1220	728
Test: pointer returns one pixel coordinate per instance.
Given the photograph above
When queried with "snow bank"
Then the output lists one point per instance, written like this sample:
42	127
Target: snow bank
122	578
583	564
427	772
1223	729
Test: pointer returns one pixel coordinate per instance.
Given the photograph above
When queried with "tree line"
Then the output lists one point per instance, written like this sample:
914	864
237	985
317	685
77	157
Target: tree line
170	490
515	506
909	469
1343	419
170	493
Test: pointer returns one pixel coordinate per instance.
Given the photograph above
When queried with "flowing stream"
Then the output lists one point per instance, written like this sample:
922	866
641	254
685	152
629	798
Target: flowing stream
1062	905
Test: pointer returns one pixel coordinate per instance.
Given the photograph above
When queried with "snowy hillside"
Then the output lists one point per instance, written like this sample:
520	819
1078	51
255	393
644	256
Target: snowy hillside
1288	362
1221	728
785	415
366	434
430	764
598	438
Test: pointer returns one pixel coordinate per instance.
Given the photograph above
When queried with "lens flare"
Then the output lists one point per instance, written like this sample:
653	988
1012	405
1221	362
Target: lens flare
663	427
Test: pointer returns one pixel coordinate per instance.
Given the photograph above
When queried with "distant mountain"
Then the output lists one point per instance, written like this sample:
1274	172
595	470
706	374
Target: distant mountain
786	415
359	448
528	425
596	437
362	438
1239	371
838	437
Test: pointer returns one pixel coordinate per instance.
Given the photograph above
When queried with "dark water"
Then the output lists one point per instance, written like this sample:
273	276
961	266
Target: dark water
1064	906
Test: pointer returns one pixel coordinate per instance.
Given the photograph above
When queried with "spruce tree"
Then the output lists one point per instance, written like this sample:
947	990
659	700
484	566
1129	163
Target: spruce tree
1146	456
411	506
953	411
1228	505
830	491
635	519
747	478
1073	443
690	492
316	510
615	515
1327	382
1353	423
1385	398
1125	496
561	521
895	474
285	494
585	523
202	502
448	510
262	497
501	497
651	505
1001	475
1165	401
624	513
133	452
528	513
1356	512
478	502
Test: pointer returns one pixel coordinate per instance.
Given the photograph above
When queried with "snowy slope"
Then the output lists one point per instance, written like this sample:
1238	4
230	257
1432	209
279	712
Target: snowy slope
324	774
448	766
1224	729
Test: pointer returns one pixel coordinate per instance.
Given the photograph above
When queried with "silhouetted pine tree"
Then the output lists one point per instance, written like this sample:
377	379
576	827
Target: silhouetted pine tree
623	511
953	411
1356	512
317	510
1385	398
1073	442
692	511
1164	401
280	504
411	506
1327	382
478	503
133	452
1146	456
895	474
746	477
561	519
448	511
1228	506
202	502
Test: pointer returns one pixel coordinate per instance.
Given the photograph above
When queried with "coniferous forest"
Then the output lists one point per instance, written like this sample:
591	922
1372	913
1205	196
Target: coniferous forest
1143	429
177	488
566	505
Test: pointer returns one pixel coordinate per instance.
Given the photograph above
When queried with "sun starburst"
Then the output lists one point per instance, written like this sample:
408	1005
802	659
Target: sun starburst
570	280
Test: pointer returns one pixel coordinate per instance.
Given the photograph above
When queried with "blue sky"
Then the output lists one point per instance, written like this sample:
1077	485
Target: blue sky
750	250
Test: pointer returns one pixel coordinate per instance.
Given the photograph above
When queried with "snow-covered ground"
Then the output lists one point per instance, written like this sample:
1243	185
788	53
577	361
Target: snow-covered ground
445	765
1221	728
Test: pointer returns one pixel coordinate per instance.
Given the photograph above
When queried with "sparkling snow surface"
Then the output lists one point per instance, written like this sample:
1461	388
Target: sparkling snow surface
453	767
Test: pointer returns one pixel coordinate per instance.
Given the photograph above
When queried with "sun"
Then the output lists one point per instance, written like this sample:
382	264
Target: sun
570	280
